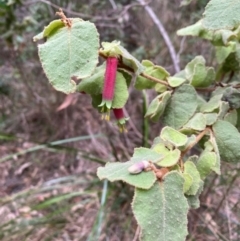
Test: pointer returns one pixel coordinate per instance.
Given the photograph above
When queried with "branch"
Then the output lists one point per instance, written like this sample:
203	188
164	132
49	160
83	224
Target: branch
198	138
164	34
155	79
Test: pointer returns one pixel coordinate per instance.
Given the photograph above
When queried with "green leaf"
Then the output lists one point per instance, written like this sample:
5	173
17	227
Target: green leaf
197	122
228	141
217	167
170	159
211	118
222	37
191	169
157	106
69	52
206	163
193	200
223	109
142	83
190	140
121	92
49	30
115	49
231	63
198	74
222	52
232	96
119	171
154	71
175	81
201	101
196	29
161	149
231	117
222	14
181	107
212	104
238	118
93	85
161	212
176	138
188	181
160	88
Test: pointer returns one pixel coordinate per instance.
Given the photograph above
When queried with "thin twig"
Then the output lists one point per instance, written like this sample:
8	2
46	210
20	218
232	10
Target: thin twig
216	233
228	219
81	15
181	49
155	79
86	16
114	5
136	234
192	144
123	66
164	34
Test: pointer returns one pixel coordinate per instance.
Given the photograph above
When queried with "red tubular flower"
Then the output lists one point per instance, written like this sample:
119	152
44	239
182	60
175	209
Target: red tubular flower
109	85
121	120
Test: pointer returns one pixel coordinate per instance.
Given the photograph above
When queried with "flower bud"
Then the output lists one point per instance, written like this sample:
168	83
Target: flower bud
138	167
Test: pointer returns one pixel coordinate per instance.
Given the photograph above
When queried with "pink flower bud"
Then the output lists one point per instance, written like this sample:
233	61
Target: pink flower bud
138	167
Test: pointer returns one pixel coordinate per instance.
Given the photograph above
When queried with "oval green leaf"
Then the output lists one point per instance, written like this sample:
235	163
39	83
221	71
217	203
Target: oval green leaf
69	52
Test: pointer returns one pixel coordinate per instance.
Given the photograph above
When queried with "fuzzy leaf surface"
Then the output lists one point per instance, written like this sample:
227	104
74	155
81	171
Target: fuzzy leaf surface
157	106
211	118
193	200
175	81
206	163
161	211
191	169
231	117
198	74
232	96
212	104
221	14
170	159
228	141
173	136
181	107
69	52
119	171
197	122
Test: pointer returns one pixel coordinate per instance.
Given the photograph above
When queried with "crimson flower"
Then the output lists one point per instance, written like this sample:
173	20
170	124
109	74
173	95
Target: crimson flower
109	86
